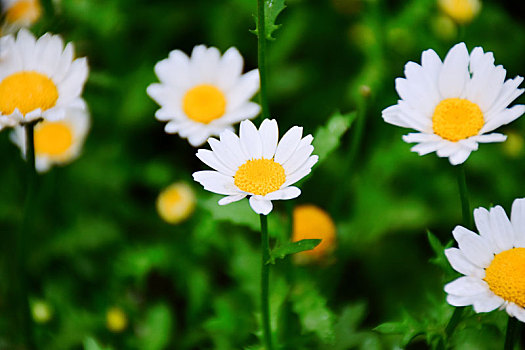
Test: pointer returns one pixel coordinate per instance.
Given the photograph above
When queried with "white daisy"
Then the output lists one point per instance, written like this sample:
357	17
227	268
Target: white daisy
56	142
38	78
19	14
454	104
255	165
493	262
205	94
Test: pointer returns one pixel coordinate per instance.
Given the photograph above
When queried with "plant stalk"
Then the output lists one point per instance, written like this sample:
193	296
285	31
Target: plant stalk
512	333
261	59
265	274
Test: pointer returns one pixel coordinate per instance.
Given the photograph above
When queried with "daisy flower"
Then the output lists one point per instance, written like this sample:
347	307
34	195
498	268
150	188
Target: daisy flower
176	203
56	142
461	11
454	104
38	78
204	94
20	13
312	222
256	165
493	262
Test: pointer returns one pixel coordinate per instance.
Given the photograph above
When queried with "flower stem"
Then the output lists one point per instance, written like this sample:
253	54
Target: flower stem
265	274
261	51
463	194
24	239
511	336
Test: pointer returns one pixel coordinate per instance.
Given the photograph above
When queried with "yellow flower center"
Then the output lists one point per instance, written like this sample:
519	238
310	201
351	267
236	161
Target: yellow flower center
462	11
24	10
456	119
27	91
176	203
312	222
204	103
260	176
506	275
52	138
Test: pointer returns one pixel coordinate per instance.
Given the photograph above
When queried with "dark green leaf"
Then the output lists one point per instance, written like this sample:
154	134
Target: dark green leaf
327	138
289	248
272	8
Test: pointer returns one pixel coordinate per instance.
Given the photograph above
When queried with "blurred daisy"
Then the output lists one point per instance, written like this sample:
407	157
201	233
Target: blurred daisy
312	222
204	94
38	78
256	165
56	142
116	320
20	13
461	11
176	203
454	104
493	262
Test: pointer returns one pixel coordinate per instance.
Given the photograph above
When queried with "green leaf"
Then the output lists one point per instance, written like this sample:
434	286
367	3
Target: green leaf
157	328
289	248
91	344
314	314
272	8
440	259
327	138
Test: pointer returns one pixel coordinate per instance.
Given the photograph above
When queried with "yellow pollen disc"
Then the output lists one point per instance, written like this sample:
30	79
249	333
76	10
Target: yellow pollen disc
456	119
506	275
204	103
27	91
260	176
53	138
312	222
28	11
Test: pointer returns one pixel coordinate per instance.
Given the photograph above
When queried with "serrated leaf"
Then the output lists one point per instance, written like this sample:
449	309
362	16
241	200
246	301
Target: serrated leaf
440	259
289	248
327	138
314	314
272	9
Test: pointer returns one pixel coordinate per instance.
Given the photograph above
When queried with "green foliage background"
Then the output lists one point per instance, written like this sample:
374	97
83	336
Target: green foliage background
99	242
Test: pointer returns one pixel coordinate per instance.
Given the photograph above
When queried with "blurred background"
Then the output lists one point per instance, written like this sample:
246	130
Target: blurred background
107	271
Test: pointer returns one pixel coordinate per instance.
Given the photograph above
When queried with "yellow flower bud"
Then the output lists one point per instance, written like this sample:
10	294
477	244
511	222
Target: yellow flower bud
176	203
461	11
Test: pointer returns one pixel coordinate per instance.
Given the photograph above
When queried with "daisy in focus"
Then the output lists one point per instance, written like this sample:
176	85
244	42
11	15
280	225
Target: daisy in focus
493	262
204	94
56	142
176	203
454	104
312	222
38	78
20	14
256	164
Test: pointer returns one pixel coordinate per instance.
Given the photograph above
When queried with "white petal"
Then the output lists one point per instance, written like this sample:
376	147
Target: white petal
243	90
467	286
517	218
301	172
487	302
230	68
489	138
284	193
269	132
232	145
502	231
516	311
209	158
231	199
454	73
473	246
427	147
461	264
250	139
300	156
460	156
505	117
482	220
420	137
223	153
460	300
288	144
261	206
216	182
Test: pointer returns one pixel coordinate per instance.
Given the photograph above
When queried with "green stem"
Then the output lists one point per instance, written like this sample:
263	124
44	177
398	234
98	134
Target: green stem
265	274
261	45
512	333
454	320
463	194
24	238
